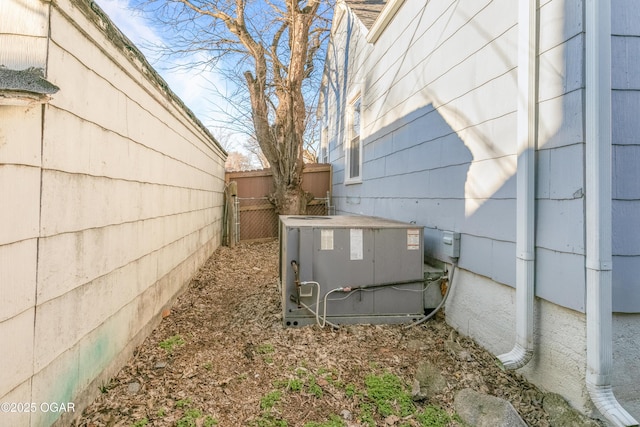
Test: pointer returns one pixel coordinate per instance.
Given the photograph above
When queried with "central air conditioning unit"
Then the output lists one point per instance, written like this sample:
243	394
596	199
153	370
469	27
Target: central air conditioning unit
350	269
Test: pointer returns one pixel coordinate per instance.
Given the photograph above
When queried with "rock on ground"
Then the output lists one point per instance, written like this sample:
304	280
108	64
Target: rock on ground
482	410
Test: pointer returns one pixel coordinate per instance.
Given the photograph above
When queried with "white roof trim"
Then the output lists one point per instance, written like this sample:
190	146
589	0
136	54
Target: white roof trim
383	19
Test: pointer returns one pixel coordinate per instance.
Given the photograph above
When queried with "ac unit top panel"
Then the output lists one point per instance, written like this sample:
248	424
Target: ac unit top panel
340	221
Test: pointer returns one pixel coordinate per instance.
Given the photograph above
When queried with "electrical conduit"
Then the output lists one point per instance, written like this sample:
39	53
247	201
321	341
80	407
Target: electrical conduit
423	319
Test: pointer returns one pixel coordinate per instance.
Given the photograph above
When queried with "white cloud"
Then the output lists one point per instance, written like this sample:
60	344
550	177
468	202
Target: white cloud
130	21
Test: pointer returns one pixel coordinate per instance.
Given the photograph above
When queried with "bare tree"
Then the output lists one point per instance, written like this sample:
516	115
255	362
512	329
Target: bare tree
225	138
274	45
252	146
237	161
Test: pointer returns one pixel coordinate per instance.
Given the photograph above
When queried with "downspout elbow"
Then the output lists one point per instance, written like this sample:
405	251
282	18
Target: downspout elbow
516	358
603	398
523	349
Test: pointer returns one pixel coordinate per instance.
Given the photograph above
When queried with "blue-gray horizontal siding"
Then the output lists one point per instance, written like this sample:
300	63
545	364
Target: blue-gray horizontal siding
488	257
556	273
415	168
416	165
625	44
560	245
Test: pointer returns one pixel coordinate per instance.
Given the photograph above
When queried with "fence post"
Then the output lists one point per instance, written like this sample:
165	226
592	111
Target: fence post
237	223
232	218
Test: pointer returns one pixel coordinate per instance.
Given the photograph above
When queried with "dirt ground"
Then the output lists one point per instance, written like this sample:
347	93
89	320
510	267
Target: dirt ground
222	357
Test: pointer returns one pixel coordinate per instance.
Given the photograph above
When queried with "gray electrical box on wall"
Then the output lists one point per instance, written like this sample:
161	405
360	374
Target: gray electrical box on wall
451	243
350	269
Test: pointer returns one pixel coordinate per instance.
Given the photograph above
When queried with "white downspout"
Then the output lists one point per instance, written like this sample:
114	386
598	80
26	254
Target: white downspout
599	306
525	183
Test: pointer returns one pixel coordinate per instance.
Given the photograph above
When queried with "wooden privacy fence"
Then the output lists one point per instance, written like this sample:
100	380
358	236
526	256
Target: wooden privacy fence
251	217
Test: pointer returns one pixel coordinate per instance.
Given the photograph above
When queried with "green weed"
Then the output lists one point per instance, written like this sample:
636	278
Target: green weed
366	414
350	390
295	384
333	421
183	403
265	348
314	388
269	421
189	419
433	416
170	343
389	395
269	400
301	372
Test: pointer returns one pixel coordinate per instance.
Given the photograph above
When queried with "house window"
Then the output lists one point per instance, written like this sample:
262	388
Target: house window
353	144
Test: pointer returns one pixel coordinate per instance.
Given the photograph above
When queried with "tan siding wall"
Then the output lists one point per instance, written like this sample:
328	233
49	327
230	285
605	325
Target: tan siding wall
23	33
111	200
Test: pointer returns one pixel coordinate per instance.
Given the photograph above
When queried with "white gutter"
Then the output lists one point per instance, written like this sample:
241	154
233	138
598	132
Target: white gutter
525	183
599	305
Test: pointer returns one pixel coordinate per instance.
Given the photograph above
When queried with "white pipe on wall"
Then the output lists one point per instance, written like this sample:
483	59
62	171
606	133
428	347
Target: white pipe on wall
522	352
598	232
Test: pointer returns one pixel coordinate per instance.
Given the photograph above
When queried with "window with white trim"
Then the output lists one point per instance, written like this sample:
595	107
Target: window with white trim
353	144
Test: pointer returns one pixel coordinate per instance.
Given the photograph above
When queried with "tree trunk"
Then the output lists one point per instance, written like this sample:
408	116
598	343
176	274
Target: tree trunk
291	201
281	143
288	196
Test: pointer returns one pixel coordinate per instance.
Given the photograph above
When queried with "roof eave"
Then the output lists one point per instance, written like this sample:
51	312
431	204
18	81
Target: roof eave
383	19
20	98
25	87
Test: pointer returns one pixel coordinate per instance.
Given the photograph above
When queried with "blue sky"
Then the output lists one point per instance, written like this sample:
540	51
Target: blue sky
190	85
195	86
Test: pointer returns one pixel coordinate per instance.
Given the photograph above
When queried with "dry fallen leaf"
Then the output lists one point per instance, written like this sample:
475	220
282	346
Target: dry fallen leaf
236	352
